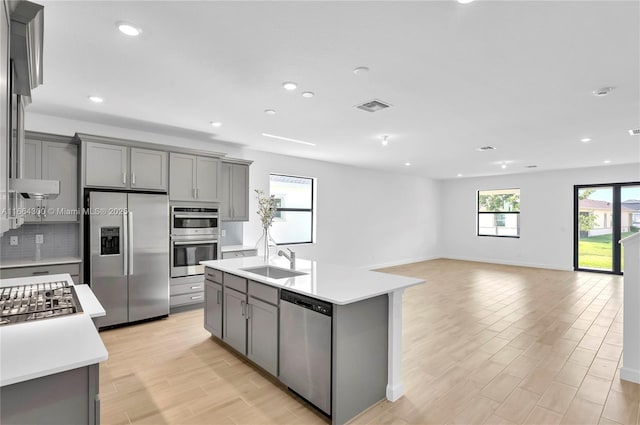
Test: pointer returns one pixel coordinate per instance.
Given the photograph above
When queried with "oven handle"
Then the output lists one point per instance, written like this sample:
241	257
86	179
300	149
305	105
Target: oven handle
207	242
195	216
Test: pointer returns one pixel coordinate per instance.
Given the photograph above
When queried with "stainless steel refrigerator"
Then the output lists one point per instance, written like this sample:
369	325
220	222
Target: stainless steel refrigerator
129	255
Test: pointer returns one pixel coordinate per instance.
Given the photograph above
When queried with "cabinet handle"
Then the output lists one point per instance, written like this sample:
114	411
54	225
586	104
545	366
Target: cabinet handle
242	305
195	194
218	297
198	192
133	179
40	273
196	297
249	307
43	208
196	287
124	178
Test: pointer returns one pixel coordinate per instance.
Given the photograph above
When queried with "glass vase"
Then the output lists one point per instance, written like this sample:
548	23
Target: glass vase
266	246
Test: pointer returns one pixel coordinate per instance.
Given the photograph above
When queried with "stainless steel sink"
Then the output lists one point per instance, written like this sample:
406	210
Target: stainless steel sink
273	272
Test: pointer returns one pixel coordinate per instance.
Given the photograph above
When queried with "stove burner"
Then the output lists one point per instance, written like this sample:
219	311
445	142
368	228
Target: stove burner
38	301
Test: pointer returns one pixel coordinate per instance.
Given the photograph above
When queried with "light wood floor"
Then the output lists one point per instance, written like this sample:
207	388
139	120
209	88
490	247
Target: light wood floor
482	344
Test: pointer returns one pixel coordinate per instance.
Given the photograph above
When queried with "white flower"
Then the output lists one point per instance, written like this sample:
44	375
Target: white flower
266	208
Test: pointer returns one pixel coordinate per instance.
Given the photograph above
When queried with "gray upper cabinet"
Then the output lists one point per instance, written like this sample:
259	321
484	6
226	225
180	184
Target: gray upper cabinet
148	169
60	162
235	192
194	178
123	167
106	165
52	161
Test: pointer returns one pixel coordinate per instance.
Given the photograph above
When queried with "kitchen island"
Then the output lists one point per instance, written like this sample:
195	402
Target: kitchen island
49	368
366	323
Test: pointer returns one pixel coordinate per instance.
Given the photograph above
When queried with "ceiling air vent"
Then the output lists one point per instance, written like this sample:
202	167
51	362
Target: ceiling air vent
374	105
486	148
634	132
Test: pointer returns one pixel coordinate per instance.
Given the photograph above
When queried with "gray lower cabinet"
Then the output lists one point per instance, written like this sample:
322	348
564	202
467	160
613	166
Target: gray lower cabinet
262	334
70	397
186	290
240	253
248	316
234	319
213	308
73	270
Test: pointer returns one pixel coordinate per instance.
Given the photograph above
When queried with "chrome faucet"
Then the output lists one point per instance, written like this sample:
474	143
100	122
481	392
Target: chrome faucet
291	257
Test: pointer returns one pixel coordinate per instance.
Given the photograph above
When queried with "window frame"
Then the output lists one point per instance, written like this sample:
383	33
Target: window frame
309	210
478	213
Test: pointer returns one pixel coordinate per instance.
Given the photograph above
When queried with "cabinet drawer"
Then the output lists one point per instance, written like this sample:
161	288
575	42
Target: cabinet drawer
239	254
193	298
235	282
213	274
186	288
263	292
72	269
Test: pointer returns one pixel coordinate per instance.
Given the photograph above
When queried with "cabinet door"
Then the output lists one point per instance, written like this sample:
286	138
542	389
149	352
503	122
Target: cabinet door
32	169
213	308
182	177
60	162
240	192
234	322
208	179
106	165
4	119
262	335
148	169
225	191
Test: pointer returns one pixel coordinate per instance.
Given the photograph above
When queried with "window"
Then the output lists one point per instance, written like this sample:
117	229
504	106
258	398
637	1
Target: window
294	221
499	213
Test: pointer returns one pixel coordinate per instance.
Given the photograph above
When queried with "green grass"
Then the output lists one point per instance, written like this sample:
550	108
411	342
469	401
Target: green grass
596	252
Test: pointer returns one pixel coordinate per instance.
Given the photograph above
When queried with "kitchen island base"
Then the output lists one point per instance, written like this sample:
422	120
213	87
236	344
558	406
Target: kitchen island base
63	398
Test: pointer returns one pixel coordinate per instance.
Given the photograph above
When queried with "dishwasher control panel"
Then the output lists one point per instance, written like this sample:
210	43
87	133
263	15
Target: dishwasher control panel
309	303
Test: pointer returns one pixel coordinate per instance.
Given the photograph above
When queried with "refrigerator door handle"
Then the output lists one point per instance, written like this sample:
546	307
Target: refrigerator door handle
125	244
130	218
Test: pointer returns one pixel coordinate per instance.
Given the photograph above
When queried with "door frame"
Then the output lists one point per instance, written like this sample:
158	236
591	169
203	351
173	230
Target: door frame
616	208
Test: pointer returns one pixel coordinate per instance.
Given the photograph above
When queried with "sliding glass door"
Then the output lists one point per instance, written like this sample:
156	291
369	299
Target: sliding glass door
603	215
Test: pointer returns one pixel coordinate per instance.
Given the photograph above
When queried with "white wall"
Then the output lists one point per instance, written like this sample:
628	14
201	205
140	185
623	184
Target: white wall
546	218
365	218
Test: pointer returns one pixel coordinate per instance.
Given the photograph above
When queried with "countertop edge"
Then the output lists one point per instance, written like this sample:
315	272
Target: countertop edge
15	264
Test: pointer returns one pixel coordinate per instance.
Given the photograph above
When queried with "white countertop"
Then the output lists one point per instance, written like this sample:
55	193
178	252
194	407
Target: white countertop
328	282
43	347
231	248
5	264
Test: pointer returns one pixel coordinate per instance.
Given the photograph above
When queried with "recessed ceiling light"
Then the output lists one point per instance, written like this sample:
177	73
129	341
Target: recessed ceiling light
407	164
385	140
128	29
289	85
503	166
459	175
288	139
269	112
602	91
360	70
308	94
464	1
607	161
96	99
215	124
585	140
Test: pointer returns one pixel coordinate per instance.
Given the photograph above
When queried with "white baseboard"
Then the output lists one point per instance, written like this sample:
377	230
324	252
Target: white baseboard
394	392
397	263
509	263
632	375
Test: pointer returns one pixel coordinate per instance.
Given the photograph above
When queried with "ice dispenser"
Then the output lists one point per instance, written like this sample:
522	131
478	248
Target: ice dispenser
109	241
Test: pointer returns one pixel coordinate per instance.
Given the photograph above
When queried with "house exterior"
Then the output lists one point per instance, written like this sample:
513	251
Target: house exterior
602	210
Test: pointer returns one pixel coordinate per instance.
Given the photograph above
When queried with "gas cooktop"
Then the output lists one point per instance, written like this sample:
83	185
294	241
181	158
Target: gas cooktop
26	303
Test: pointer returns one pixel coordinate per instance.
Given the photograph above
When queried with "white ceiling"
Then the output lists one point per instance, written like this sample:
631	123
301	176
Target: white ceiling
517	75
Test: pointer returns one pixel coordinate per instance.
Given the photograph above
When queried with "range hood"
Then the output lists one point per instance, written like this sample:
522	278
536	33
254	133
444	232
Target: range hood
27	33
35	189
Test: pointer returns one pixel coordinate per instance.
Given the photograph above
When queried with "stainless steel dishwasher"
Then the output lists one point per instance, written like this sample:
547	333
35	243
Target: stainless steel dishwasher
305	347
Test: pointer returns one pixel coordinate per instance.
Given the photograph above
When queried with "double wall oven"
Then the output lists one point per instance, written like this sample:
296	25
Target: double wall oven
194	238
